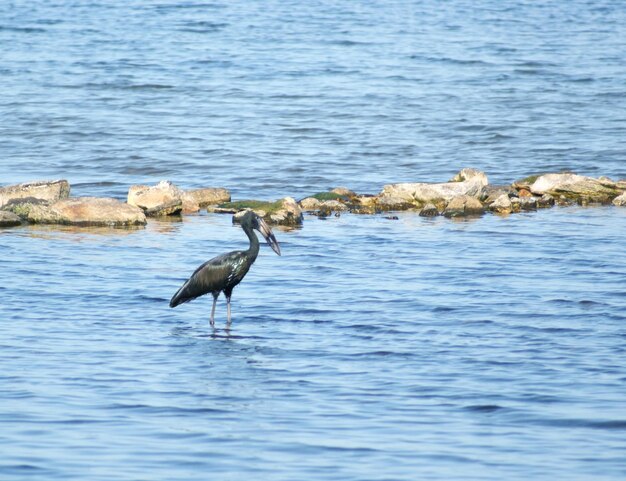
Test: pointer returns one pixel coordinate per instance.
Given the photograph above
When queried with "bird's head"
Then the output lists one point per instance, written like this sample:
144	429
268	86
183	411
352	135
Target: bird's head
259	224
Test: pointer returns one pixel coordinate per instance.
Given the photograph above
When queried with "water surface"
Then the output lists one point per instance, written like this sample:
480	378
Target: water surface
373	349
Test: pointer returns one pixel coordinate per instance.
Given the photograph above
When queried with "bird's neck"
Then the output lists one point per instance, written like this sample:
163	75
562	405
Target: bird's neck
253	250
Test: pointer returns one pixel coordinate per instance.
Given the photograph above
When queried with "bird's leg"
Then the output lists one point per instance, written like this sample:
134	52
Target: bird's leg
213	311
228	294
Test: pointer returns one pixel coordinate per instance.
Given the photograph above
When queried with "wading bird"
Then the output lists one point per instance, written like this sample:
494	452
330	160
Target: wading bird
223	273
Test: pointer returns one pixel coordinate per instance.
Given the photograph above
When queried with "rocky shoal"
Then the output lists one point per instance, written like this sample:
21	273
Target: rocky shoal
468	193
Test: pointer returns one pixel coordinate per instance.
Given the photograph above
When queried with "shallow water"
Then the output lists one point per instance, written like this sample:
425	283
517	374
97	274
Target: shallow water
373	349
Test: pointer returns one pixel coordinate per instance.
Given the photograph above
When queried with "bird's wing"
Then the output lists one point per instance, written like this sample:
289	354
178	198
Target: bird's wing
211	276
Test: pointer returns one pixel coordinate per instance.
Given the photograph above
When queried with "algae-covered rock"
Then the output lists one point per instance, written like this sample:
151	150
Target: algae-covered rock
88	211
9	219
47	190
162	199
463	205
285	211
21	207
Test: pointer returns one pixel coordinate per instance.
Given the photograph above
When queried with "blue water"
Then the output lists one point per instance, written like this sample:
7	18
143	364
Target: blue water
373	349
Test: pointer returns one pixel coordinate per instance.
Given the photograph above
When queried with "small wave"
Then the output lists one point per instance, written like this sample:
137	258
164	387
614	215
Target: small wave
484	408
22	29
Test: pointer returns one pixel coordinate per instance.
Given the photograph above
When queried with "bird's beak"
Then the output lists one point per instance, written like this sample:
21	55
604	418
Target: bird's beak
266	232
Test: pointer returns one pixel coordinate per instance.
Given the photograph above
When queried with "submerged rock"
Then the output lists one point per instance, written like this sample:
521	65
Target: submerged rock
285	211
88	211
429	210
47	190
571	187
421	193
162	199
9	219
463	205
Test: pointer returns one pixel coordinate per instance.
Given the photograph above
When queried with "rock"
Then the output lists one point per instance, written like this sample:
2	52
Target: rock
208	196
390	203
21	207
162	199
466	174
333	205
620	200
309	204
493	192
502	205
429	210
88	211
545	201
344	192
47	190
572	187
463	205
282	212
515	204
524	193
366	200
422	193
9	219
528	203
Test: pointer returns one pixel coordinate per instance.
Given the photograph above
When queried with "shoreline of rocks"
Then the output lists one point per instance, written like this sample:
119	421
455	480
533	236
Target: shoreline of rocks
467	194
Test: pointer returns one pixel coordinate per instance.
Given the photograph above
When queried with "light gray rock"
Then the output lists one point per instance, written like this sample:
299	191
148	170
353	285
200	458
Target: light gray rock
88	211
573	187
208	196
309	204
344	191
9	219
162	199
467	174
620	200
47	190
502	205
421	193
463	205
333	205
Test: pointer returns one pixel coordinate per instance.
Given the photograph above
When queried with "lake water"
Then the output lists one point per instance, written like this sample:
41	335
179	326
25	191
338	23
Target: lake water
372	349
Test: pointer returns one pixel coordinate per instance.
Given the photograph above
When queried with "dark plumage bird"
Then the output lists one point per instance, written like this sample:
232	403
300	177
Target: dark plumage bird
223	273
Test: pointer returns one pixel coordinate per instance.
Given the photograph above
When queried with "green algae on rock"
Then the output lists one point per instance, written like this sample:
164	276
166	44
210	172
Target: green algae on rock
285	211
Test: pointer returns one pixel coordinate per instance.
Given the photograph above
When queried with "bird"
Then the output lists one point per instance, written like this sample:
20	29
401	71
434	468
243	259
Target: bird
224	272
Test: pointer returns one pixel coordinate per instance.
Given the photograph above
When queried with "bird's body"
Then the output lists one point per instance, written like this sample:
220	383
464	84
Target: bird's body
224	272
